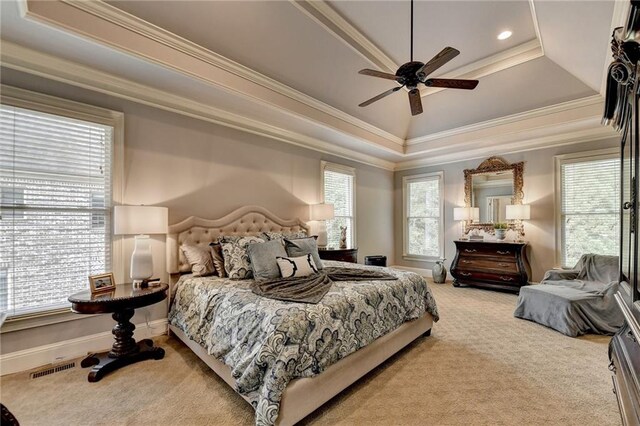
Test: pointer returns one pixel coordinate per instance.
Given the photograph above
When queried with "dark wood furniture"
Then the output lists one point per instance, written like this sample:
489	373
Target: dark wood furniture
496	265
622	110
342	255
120	302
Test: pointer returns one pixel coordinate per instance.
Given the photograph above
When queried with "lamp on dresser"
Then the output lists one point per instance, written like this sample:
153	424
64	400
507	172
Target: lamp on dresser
321	213
140	221
464	214
518	212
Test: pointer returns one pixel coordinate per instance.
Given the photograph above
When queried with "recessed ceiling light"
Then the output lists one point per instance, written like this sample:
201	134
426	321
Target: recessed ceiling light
504	35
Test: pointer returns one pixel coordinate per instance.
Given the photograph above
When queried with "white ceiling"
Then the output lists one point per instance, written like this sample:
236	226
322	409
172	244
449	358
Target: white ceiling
470	26
280	45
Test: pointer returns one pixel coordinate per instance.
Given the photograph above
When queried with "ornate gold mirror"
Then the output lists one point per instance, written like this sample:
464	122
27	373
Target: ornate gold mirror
491	187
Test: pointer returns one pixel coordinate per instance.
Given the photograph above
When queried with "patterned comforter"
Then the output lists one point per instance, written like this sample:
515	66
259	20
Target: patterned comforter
267	343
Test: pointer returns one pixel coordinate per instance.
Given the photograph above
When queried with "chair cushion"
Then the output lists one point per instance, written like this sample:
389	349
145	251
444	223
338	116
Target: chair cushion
570	310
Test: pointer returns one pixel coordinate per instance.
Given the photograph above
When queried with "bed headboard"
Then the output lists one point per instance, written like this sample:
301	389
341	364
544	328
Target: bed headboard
248	220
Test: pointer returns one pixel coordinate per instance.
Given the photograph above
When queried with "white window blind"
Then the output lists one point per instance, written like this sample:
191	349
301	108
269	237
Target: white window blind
339	191
590	190
55	187
423	215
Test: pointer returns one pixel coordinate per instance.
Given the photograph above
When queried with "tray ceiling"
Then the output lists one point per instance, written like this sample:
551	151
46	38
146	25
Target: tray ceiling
293	65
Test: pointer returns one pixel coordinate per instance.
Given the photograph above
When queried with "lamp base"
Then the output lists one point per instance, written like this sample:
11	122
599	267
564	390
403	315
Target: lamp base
141	260
322	234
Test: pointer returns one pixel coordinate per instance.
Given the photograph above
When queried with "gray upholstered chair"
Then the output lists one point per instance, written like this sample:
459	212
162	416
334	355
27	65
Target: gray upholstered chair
575	301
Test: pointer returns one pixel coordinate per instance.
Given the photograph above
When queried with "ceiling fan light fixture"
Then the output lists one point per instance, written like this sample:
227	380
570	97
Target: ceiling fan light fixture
504	35
413	73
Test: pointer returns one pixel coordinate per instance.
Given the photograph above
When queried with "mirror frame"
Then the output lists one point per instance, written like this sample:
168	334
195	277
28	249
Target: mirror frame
492	165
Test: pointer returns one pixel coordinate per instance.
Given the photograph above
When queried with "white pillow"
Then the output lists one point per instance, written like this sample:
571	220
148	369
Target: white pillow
200	260
296	266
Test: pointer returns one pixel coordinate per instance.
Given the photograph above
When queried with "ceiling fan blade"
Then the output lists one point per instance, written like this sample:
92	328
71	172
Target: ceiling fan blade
451	83
380	96
415	102
379	74
445	55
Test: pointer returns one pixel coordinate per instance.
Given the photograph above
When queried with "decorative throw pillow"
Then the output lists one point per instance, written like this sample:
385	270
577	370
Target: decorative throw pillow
263	259
304	246
218	260
200	260
236	259
296	266
281	236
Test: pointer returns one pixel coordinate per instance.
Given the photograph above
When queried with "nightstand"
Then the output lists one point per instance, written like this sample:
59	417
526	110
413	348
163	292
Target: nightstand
342	255
120	302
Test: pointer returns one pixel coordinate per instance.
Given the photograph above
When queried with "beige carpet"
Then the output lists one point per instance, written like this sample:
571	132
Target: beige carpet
481	366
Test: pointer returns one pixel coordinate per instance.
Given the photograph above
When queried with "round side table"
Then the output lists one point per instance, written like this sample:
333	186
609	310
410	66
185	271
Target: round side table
121	303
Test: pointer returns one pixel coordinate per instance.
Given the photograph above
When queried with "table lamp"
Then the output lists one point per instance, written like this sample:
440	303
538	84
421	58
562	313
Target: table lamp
464	214
140	221
518	212
322	213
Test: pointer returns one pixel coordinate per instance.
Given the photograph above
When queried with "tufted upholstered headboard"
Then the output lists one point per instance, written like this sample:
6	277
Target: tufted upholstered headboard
248	220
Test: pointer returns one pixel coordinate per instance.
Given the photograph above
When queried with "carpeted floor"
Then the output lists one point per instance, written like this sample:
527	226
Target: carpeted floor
481	366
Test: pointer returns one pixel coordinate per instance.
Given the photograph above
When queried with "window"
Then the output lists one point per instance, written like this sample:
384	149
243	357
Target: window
338	188
55	223
588	192
423	216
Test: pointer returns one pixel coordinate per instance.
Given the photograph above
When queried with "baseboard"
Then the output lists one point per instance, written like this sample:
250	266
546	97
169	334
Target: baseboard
419	271
28	359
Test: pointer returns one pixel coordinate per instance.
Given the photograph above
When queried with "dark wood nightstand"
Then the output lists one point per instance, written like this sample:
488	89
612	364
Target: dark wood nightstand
342	255
120	302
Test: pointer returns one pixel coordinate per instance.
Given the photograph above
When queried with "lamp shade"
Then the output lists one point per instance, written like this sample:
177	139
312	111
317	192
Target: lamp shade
129	220
321	212
475	214
466	213
518	211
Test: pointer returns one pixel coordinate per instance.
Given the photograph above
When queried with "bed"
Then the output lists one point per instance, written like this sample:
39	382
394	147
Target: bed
287	359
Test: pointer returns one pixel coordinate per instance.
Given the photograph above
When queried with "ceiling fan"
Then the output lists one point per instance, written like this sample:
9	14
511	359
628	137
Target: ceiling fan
412	73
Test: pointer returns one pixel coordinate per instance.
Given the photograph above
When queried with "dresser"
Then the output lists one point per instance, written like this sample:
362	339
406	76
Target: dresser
496	265
343	255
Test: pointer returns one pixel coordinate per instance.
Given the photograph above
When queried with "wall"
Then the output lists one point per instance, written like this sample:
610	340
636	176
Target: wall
538	191
198	168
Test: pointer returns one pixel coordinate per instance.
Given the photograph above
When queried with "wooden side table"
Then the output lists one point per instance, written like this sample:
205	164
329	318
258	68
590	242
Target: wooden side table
120	302
342	255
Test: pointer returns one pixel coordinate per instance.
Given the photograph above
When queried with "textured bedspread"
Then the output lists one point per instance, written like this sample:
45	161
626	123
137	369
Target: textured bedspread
267	343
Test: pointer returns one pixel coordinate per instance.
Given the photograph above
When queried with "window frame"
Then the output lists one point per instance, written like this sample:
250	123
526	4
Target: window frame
406	181
351	171
559	161
21	98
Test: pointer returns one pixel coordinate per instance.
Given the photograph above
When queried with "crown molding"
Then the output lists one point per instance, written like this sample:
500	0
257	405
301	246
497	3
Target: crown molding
30	61
594	101
566	123
521	143
322	13
152	43
518	132
501	61
536	24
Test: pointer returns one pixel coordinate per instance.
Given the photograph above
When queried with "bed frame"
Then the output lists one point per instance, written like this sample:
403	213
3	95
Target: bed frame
302	396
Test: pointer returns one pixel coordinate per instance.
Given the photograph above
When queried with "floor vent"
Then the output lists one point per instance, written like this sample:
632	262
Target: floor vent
45	371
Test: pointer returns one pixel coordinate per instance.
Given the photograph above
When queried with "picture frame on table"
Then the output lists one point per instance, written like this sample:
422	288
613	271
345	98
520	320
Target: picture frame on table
102	283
